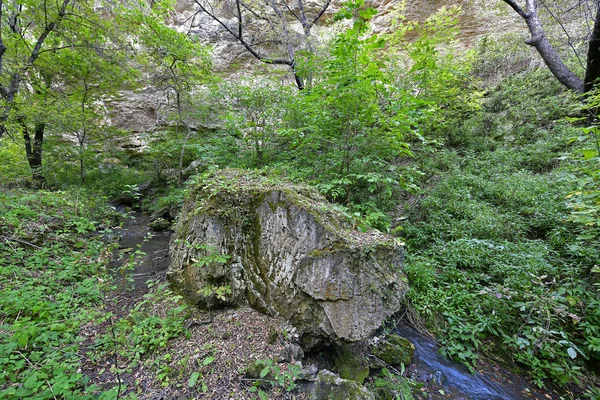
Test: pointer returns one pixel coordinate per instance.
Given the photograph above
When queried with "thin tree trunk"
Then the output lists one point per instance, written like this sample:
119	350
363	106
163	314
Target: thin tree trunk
185	138
592	72
33	149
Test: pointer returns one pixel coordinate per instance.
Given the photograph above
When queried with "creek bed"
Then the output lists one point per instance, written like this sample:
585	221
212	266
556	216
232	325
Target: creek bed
153	259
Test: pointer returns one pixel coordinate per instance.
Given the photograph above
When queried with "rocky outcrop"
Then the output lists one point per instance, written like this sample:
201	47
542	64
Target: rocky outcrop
283	249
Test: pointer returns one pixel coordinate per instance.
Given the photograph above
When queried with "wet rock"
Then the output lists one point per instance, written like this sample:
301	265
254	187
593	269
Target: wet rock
438	378
309	373
160	225
329	386
286	251
351	363
394	350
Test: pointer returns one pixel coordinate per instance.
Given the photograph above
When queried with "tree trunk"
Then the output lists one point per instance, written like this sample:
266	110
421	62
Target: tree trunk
592	72
33	149
544	48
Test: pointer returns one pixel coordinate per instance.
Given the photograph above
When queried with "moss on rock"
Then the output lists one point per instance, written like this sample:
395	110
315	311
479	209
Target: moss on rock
394	350
329	386
351	363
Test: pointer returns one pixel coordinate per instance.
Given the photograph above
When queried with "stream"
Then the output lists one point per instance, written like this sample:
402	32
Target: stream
152	261
453	377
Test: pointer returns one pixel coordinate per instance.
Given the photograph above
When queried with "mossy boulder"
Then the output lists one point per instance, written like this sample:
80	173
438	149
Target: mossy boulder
160	225
351	362
285	250
394	350
329	386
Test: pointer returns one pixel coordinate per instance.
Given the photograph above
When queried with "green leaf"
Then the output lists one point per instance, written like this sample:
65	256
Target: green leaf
193	379
208	360
31	382
572	353
264	372
587	154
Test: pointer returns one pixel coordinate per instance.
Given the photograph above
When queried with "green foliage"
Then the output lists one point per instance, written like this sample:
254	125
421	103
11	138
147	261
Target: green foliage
142	331
348	133
14	168
491	258
50	269
391	386
584	200
272	375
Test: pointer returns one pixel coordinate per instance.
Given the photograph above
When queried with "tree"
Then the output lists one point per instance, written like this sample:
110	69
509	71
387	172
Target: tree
181	65
26	31
259	26
539	40
58	61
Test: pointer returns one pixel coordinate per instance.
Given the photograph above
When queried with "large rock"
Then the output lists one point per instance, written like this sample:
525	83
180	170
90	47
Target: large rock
286	251
329	386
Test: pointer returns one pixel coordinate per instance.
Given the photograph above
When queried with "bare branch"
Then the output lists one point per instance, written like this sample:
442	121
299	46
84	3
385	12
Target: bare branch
321	12
516	7
569	40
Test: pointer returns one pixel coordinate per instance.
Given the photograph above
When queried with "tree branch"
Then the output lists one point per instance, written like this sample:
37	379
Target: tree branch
539	40
516	7
321	12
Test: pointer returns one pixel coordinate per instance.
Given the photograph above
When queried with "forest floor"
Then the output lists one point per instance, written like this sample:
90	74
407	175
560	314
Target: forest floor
221	345
208	358
218	346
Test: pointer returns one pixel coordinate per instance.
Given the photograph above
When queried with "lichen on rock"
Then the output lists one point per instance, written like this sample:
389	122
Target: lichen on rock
288	252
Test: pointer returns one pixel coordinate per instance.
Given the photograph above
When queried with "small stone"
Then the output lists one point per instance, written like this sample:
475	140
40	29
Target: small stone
309	373
439	378
291	353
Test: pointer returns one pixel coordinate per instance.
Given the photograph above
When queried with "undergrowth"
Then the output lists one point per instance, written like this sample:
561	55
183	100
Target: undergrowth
54	285
491	257
50	265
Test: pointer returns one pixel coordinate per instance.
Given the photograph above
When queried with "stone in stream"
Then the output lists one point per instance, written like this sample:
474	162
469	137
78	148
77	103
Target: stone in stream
285	250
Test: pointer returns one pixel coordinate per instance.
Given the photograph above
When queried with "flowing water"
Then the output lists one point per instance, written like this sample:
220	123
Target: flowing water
454	377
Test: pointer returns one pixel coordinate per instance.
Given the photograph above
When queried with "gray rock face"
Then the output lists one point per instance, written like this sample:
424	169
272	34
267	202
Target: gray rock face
283	249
